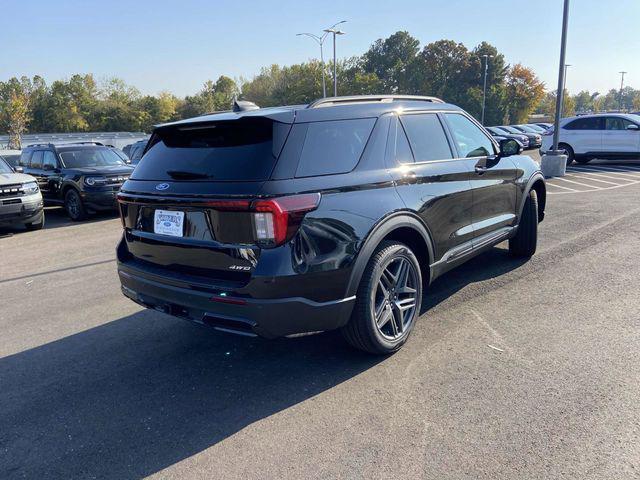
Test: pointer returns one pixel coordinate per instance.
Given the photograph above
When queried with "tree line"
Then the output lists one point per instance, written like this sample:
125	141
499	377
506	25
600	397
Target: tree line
396	64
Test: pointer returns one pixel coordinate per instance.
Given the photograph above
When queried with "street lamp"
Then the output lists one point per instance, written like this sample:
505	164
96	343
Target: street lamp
320	41
335	32
484	87
564	86
621	85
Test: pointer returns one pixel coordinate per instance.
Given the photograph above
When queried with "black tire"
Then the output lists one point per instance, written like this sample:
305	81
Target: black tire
570	154
526	239
74	206
35	225
363	330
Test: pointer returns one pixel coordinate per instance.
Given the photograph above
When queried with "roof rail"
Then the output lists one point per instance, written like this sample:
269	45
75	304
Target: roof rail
331	101
40	145
100	144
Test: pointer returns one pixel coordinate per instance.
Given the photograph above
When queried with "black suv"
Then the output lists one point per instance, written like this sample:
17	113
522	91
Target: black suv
337	214
84	177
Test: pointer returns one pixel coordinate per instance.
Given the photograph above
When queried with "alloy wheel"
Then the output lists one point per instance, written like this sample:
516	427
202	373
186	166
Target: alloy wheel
395	298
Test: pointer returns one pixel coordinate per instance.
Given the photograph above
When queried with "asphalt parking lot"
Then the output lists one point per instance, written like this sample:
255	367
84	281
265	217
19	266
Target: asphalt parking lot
515	370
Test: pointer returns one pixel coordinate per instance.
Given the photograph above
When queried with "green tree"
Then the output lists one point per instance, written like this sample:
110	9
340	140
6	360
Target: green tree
389	61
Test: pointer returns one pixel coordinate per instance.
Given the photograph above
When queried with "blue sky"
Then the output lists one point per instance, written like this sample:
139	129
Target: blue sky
166	45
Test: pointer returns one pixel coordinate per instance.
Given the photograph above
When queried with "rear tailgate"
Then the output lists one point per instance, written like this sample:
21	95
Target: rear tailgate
185	207
206	239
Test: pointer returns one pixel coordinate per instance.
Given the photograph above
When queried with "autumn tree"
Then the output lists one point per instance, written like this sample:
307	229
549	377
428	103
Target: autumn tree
523	93
15	109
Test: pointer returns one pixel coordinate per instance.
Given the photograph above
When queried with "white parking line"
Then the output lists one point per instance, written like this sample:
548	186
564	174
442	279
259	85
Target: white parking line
591	179
564	188
577	183
621	176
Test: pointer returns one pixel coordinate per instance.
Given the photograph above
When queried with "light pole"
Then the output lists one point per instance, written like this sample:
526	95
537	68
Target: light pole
561	69
564	87
484	87
621	85
320	41
335	32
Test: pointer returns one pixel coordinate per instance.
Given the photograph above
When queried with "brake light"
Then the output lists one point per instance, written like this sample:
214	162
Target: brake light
276	220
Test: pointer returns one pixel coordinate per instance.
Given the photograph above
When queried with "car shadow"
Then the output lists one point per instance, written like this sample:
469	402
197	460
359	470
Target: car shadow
490	264
138	394
56	217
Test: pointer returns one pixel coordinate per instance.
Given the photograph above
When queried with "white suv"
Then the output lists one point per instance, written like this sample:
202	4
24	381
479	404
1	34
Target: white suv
606	135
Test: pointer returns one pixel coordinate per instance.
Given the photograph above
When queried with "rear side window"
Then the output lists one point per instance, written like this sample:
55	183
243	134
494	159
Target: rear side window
590	123
427	137
470	140
239	150
333	147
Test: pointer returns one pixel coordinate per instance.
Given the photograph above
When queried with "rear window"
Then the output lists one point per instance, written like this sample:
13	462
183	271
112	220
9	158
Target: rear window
333	147
239	150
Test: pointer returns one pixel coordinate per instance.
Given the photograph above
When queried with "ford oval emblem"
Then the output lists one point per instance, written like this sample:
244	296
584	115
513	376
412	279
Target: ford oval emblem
162	186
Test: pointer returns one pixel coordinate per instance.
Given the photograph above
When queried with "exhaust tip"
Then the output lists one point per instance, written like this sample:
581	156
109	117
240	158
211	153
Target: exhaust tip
239	326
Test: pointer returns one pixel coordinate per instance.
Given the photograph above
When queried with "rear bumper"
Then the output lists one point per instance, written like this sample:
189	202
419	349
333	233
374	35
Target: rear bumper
269	318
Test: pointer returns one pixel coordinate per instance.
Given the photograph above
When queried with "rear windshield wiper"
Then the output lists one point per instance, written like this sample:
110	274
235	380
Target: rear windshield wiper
184	175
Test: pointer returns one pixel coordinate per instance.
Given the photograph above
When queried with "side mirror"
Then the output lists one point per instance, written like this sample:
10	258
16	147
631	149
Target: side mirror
510	146
633	126
18	169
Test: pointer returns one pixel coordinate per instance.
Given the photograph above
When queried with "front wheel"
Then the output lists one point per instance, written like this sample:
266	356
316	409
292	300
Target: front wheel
388	300
74	206
524	243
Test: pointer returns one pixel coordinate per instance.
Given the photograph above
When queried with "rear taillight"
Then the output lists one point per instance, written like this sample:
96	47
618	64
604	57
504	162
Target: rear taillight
276	220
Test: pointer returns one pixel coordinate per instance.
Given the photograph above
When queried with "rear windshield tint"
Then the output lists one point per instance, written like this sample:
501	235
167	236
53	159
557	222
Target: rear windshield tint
333	147
242	150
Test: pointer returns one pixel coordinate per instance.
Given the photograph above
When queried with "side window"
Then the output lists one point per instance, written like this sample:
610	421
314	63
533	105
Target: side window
589	123
616	123
427	137
470	140
36	159
25	159
334	146
398	149
49	161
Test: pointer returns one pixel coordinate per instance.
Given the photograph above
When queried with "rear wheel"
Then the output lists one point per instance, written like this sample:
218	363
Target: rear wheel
526	239
388	300
74	206
569	151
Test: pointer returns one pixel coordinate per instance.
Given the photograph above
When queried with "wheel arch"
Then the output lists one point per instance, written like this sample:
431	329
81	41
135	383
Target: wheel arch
404	227
66	187
537	183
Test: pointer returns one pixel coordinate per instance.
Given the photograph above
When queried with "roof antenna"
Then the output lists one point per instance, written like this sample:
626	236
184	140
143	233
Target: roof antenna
243	105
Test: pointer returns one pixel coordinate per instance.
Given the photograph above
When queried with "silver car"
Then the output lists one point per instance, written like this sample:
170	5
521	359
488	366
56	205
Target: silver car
20	199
